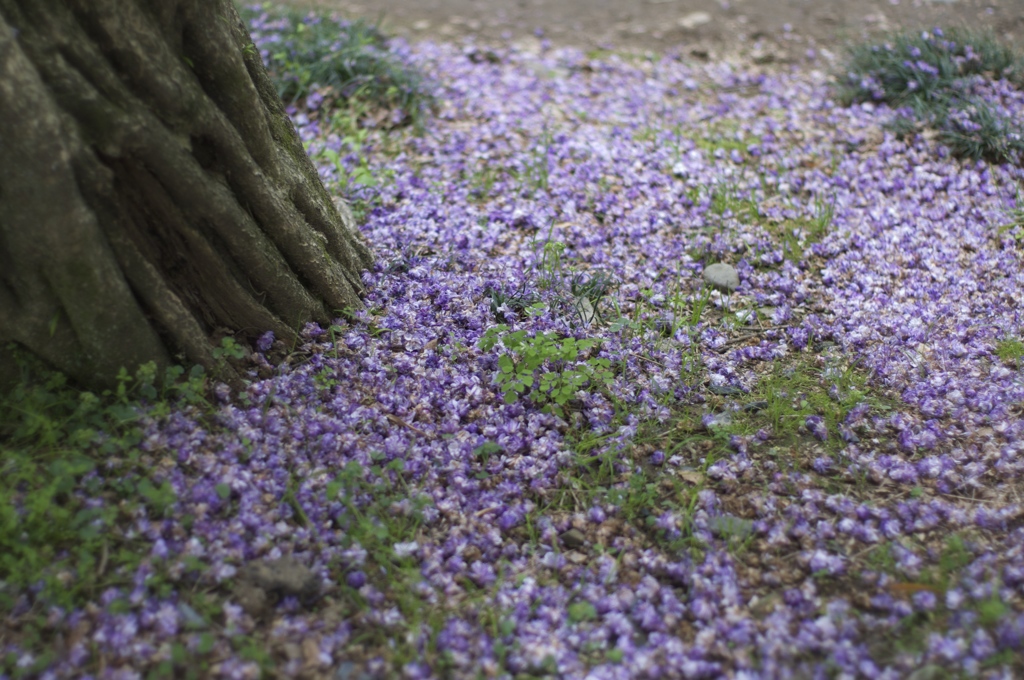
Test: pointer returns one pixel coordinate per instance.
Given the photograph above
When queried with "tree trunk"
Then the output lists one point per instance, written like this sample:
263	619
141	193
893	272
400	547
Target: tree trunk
153	192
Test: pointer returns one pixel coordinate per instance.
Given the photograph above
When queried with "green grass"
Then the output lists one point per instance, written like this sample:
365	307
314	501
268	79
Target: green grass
546	367
550	369
973	129
790	393
727	142
379	511
1014	226
792	236
348	59
356	180
807	385
725	201
61	447
943	561
772	418
482	180
1010	350
795	236
928	75
641	492
51	439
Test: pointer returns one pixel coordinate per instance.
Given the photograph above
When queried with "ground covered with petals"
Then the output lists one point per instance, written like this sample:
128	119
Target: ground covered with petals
815	475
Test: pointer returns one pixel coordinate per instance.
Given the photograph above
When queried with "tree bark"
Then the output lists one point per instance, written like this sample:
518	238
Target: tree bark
153	192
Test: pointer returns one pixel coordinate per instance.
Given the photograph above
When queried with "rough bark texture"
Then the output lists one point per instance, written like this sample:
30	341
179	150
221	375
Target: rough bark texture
152	190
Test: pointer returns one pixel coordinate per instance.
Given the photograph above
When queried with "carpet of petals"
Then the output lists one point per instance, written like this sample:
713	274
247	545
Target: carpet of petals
913	284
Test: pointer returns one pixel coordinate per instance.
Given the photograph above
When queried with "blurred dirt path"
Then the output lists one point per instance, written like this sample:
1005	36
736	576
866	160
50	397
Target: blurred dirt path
765	30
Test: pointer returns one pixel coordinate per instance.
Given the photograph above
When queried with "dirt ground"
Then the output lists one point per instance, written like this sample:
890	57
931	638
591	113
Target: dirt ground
766	30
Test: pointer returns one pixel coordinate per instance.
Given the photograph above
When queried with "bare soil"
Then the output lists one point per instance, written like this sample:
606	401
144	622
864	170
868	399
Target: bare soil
766	30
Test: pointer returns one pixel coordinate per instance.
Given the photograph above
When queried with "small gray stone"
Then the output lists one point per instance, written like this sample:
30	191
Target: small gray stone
347	670
261	585
694	19
574	538
193	620
766	56
585	310
576	557
722	276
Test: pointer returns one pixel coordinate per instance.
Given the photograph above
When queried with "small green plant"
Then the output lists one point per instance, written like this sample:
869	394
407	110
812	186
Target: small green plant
504	300
794	236
1010	350
351	58
724	135
580	612
486	450
552	264
928	75
954	557
973	129
367	493
684	310
659	505
824	214
229	349
592	286
646	134
724	202
361	174
482	182
992	610
546	366
880	558
700	303
908	69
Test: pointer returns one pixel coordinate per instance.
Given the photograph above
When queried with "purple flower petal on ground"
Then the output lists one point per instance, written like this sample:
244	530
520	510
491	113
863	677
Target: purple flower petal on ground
816	426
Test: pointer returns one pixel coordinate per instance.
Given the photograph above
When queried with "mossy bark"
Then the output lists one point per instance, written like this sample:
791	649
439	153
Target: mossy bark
153	192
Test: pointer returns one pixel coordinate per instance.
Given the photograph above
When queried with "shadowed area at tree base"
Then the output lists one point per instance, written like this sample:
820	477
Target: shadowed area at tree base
184	205
9	373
